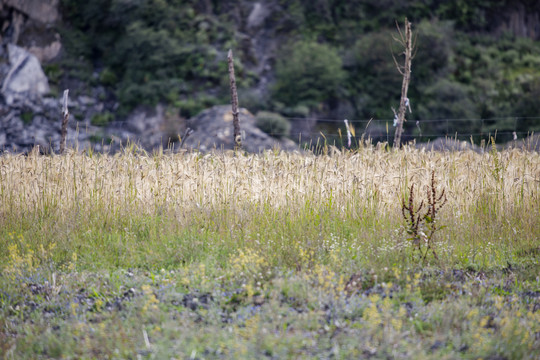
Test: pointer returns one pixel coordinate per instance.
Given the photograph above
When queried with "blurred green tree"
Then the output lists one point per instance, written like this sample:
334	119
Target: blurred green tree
308	73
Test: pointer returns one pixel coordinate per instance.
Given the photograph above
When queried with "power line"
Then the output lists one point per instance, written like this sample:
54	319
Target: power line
330	120
441	134
410	121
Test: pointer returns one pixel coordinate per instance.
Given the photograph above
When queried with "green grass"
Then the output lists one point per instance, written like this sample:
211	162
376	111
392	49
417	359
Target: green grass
270	255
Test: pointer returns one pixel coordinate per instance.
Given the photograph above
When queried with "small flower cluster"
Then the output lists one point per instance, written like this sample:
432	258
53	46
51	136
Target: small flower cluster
23	259
247	262
151	301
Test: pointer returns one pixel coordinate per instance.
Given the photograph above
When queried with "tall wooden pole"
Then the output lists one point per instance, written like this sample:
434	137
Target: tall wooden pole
65	118
405	70
234	103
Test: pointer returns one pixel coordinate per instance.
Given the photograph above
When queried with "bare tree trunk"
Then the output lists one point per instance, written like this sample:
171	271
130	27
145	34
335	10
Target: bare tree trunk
234	102
406	41
65	113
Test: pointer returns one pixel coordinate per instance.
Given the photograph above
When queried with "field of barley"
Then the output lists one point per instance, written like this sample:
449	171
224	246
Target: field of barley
349	254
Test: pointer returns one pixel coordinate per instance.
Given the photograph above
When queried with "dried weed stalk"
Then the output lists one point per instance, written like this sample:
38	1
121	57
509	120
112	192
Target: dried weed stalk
423	224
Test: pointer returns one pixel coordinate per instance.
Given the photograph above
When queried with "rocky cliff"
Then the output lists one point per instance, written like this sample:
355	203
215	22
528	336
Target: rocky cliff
31	113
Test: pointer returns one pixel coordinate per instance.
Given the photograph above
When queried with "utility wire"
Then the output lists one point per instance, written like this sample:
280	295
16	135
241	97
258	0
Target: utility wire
450	135
329	120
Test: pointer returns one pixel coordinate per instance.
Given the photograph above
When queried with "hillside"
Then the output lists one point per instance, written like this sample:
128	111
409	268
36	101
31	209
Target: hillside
476	69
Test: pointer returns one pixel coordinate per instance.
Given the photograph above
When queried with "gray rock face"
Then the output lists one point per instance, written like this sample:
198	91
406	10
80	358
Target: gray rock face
257	16
213	129
148	127
47	52
45	11
25	76
29	25
27	122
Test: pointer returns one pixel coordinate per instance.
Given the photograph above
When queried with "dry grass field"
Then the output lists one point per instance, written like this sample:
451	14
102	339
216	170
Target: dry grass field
274	255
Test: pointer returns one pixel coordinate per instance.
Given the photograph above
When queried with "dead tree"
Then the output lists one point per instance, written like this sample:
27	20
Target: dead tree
405	40
65	118
234	103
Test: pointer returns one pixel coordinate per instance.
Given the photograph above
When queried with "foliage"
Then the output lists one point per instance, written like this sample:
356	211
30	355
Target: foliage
27	116
191	106
479	77
99	139
446	99
53	72
472	15
273	123
108	77
148	47
372	78
308	73
335	59
102	119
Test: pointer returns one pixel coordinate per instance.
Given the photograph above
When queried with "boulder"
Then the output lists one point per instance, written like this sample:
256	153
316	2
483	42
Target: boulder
25	75
44	11
258	16
145	127
447	144
30	122
47	52
213	129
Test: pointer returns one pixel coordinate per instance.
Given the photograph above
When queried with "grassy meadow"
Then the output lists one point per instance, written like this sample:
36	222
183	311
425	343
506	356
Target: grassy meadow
274	255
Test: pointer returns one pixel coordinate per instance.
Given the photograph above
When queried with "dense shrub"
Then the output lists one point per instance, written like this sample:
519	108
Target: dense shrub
108	77
27	117
102	119
148	47
308	73
373	83
273	124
